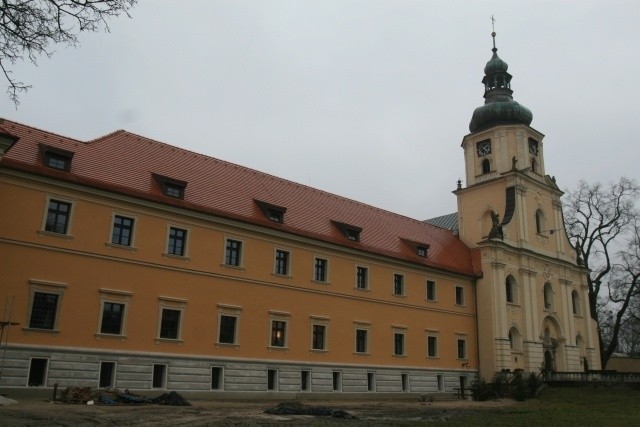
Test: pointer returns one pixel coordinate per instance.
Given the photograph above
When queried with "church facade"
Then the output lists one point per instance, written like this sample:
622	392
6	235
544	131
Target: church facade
134	264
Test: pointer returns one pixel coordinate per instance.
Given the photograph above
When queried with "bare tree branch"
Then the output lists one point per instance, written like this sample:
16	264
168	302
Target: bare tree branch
29	27
602	223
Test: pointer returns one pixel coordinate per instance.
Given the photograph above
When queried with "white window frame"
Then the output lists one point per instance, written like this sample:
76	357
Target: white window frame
463	298
402	285
185	255
240	266
132	246
366	278
288	274
45	287
399	330
116	297
279	316
230	311
326	272
171	303
436	335
72	210
364	326
320	321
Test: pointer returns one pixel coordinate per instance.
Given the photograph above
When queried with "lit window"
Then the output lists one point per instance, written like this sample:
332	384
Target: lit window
278	333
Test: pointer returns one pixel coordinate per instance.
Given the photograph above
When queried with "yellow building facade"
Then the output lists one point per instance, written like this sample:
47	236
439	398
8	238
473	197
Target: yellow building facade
130	263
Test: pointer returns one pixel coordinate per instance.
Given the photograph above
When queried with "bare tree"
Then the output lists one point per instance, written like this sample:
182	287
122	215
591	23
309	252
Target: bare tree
28	28
602	225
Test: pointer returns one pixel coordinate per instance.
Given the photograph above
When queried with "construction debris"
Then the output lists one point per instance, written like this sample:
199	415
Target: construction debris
172	398
112	396
297	408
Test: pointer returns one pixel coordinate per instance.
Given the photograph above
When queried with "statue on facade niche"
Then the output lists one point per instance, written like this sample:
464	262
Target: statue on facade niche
514	163
496	228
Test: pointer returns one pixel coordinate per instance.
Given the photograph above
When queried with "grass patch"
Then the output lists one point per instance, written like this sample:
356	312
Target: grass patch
597	405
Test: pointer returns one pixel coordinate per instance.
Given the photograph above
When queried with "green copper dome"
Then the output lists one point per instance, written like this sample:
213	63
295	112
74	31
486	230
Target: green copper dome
499	106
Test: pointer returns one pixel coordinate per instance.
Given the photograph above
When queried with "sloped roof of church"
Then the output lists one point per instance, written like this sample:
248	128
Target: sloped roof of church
448	222
127	163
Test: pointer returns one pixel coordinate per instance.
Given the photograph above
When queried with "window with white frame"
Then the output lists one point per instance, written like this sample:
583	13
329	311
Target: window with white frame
228	323
462	347
319	330
279	323
282	260
113	312
57	219
362	277
398	284
361	337
45	301
233	253
177	241
399	342
122	230
459	295
431	290
170	318
432	345
320	270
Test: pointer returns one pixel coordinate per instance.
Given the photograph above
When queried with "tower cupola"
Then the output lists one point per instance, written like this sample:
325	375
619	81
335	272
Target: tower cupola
499	106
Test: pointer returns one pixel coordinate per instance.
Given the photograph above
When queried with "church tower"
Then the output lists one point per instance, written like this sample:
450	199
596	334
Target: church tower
533	308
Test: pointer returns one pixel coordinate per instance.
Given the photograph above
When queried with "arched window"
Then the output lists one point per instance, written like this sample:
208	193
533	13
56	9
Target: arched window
486	166
575	302
515	341
511	289
548	296
539	221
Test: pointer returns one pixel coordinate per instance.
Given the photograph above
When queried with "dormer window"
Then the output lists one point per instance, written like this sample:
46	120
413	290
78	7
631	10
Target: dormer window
272	212
421	249
275	215
174	190
351	232
171	187
56	158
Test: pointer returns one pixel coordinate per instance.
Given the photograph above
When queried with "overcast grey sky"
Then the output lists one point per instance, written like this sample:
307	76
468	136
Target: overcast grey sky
366	99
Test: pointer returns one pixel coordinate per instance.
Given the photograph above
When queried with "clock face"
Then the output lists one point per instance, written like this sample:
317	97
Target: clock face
533	147
484	148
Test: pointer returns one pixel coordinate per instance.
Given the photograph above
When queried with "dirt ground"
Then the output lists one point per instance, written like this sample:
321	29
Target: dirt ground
40	412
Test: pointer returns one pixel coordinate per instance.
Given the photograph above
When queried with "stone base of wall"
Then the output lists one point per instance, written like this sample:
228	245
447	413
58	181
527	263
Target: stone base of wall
241	378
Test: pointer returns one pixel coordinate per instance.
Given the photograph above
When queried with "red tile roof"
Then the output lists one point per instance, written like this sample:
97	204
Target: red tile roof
125	163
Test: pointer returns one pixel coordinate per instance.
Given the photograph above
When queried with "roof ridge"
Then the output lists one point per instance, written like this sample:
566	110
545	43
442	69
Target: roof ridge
12	122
